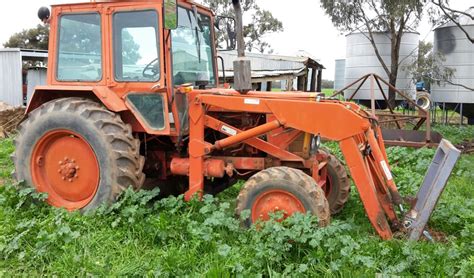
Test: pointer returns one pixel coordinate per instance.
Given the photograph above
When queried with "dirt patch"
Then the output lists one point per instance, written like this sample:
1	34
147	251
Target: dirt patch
466	147
437	236
10	117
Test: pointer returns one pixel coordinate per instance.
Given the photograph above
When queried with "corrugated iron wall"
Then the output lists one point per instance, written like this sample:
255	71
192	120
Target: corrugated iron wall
36	77
11	91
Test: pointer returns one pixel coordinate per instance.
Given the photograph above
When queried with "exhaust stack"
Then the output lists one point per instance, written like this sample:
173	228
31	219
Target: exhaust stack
242	68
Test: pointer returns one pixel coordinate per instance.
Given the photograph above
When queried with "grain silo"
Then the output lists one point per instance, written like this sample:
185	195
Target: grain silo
361	60
339	76
458	52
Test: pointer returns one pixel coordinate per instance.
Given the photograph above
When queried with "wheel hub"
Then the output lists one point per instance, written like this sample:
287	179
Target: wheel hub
68	169
274	201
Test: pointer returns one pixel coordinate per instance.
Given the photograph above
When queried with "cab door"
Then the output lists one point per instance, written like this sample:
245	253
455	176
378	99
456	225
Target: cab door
137	64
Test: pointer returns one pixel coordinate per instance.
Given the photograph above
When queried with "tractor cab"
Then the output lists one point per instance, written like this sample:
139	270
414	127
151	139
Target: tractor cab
133	56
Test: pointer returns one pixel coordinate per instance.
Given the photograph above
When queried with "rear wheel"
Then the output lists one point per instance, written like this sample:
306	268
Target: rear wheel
281	189
78	152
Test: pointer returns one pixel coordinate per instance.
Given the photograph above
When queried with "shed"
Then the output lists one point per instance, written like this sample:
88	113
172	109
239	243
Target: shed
269	69
13	78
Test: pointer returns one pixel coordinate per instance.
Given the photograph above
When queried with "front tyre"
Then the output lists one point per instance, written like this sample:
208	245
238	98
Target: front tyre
281	189
78	152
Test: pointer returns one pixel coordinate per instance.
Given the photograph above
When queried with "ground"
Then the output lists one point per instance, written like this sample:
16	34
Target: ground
143	236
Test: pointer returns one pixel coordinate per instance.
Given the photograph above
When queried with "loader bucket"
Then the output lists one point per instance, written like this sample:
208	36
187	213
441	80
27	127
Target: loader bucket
431	189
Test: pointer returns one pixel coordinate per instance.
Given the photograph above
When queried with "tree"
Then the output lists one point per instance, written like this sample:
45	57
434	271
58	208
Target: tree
392	16
35	38
429	66
445	13
263	22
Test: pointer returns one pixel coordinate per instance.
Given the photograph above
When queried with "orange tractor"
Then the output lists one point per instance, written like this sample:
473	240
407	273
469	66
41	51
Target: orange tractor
133	100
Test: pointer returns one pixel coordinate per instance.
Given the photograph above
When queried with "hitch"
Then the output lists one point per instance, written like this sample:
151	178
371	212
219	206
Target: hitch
433	185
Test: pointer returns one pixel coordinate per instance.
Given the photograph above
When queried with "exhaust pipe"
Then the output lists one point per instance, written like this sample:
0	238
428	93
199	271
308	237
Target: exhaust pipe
242	68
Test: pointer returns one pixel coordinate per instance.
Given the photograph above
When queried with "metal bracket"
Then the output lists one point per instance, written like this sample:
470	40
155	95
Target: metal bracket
433	185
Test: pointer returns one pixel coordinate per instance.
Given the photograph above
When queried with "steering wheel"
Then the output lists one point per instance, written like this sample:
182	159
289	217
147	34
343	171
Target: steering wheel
151	67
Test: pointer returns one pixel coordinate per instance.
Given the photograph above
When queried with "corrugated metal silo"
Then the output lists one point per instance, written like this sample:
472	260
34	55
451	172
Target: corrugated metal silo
361	60
458	51
339	76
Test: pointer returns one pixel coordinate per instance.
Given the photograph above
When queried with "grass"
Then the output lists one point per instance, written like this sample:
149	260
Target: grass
142	236
327	92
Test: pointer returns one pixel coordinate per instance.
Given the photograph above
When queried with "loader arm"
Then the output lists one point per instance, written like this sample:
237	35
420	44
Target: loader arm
356	131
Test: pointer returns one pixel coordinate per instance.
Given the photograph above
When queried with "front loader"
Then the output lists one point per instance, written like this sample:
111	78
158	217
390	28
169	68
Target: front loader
133	100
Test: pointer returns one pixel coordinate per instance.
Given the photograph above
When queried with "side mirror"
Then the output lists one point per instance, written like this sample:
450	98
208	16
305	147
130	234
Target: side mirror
170	14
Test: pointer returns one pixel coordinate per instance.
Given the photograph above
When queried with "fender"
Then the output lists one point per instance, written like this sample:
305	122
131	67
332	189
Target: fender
102	94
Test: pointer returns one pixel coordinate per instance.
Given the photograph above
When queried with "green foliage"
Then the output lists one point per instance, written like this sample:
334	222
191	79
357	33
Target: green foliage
374	16
429	66
34	38
263	22
457	134
6	165
141	235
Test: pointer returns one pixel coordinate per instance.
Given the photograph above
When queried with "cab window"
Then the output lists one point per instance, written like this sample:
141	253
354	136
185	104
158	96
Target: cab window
80	48
136	51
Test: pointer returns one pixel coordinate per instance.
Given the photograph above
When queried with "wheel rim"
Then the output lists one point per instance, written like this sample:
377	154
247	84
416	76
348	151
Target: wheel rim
273	201
64	165
423	102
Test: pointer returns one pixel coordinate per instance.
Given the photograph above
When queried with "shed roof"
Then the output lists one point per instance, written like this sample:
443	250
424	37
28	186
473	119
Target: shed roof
267	65
28	53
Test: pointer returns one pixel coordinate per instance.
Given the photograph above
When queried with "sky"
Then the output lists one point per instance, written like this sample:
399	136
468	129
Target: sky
306	27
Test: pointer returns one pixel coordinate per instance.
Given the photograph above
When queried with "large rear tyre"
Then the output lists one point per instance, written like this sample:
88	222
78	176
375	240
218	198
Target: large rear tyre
337	187
281	189
78	152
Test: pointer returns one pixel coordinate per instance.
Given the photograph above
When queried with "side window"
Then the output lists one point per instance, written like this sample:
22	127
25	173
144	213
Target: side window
80	48
136	51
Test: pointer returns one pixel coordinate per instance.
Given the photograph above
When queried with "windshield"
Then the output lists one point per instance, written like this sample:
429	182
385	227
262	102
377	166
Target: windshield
192	49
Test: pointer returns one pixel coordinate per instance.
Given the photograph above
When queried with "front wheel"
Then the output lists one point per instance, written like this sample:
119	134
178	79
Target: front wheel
281	189
78	152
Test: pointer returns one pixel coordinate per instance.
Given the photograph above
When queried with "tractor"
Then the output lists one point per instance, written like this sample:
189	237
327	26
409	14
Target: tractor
133	99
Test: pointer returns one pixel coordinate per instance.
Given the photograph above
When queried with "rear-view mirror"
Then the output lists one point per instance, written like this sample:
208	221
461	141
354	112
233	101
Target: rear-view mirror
170	14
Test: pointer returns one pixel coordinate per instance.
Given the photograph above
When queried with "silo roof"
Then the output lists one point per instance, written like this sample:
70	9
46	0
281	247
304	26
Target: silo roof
463	20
